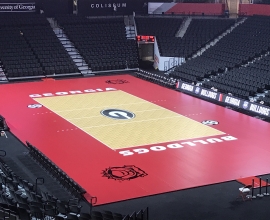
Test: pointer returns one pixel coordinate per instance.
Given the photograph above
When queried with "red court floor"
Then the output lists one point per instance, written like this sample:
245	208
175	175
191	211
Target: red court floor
239	146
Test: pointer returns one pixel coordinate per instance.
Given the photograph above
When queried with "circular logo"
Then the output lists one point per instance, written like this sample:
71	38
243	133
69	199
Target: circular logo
197	90
35	106
245	104
118	114
210	122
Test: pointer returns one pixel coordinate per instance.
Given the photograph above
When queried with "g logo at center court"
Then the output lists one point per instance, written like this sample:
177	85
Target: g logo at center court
118	114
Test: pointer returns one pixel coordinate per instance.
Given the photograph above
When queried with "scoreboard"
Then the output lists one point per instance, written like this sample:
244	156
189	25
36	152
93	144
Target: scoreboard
143	38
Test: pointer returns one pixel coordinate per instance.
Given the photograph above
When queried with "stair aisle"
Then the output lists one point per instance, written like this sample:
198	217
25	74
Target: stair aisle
73	52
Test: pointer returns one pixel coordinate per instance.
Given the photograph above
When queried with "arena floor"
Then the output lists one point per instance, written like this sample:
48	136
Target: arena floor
120	137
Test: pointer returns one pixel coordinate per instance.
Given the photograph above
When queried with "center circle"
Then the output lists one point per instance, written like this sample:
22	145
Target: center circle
117	114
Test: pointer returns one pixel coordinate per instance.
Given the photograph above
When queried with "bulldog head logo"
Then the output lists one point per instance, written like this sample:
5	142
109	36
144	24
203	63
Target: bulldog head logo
126	172
117	81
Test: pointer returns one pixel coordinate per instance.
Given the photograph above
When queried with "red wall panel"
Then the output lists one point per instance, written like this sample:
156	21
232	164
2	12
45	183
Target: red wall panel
254	9
197	8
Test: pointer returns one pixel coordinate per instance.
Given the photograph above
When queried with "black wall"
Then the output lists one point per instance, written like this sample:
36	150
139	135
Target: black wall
88	7
105	7
54	7
50	7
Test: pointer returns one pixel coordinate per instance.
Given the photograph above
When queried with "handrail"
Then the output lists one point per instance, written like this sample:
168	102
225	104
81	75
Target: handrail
146	212
134	23
183	13
94	200
166	67
61	175
175	62
6	211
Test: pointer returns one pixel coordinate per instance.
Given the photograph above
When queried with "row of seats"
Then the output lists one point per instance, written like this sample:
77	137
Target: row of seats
265	100
198	34
158	79
21	198
158	26
55	171
253	78
19	59
267	2
238	92
108	215
234	65
101	42
32	50
22	19
81	20
51	54
194	70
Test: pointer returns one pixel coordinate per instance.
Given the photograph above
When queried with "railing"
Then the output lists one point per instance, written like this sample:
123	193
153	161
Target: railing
7	213
63	178
135	26
142	214
172	62
184	13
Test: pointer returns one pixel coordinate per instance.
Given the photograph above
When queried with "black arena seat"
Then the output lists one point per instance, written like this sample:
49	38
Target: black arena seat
102	42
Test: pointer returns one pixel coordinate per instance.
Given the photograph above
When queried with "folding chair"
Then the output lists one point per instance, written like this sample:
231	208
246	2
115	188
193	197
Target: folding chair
245	192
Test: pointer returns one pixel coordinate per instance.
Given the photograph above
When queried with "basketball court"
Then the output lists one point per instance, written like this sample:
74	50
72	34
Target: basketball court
131	139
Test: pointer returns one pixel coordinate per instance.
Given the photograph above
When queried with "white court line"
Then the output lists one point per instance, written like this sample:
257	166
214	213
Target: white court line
173	111
155	119
82	128
77	127
100	115
75	109
177	140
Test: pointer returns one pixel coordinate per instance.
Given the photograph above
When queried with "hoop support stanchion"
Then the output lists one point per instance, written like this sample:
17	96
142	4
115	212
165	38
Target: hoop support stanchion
266	187
252	190
260	189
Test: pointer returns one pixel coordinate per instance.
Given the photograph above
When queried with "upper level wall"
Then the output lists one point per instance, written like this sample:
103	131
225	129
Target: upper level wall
50	7
254	9
106	7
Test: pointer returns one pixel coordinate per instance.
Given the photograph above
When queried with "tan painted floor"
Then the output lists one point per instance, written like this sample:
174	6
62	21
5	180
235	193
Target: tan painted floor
152	124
